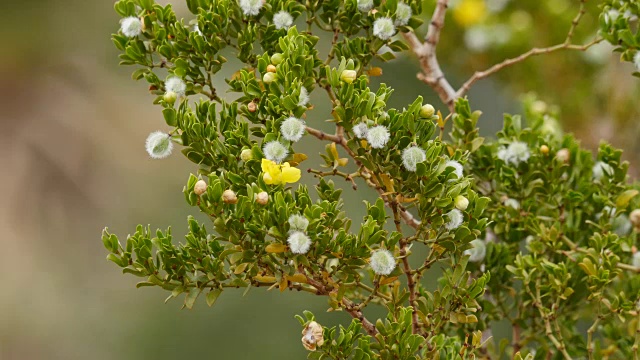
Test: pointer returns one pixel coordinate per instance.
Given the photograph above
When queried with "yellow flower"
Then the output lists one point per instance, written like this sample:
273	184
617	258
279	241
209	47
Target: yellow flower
275	174
470	12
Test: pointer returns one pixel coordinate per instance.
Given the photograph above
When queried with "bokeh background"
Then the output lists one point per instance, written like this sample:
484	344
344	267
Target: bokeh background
72	161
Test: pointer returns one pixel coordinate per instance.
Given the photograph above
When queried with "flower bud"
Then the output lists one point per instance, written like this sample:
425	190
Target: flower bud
276	59
262	198
246	155
271	68
348	76
635	218
170	97
252	107
229	197
563	155
269	77
200	187
427	111
461	202
544	150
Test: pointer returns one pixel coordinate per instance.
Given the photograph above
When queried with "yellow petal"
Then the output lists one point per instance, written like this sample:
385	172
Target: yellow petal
267	178
290	174
266	164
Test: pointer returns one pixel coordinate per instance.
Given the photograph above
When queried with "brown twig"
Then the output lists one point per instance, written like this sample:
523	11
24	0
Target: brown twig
433	76
339	139
478	75
406	268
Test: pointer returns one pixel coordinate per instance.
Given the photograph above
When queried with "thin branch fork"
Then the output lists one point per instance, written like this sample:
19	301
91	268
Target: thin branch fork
339	139
432	74
478	75
348	305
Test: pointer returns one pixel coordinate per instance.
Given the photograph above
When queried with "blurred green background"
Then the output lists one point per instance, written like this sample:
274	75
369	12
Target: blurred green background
73	160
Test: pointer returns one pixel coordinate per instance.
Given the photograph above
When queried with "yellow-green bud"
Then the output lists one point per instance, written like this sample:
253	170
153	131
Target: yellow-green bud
276	59
271	68
427	111
262	198
200	187
461	202
268	77
246	155
229	197
348	76
170	97
544	149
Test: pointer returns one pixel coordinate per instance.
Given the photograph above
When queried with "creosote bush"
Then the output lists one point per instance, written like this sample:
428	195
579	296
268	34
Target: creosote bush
528	228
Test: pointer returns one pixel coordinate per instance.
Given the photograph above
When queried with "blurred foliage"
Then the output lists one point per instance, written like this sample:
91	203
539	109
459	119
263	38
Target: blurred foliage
593	94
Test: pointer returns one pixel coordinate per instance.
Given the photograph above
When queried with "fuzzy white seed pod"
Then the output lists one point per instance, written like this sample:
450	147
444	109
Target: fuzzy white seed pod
427	111
282	20
196	29
611	16
252	107
601	169
176	85
383	28
303	98
636	259
461	202
403	14
131	26
512	203
159	145
251	7
477	252
365	5
348	76
312	336
518	152
299	242
246	155
292	129
298	222
360	130
634	217
200	187
412	156
262	198
229	197
455	217
268	77
382	262
275	151
563	155
458	168
378	136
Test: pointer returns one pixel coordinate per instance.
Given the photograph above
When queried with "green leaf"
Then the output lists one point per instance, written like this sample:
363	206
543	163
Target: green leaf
212	296
623	199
